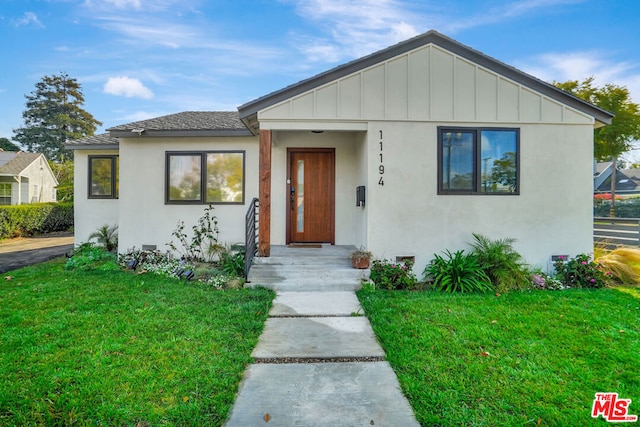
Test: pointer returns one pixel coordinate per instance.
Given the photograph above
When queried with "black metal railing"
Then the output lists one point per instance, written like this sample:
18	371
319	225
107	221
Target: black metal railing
251	235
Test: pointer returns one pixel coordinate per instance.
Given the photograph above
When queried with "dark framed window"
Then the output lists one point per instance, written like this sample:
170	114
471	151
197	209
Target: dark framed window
103	177
205	177
478	161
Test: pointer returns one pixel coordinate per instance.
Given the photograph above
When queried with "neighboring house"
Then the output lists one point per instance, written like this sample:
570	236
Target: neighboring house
627	182
437	140
25	178
601	171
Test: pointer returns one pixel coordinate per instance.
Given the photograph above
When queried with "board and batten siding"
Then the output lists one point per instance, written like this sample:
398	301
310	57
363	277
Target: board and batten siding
426	84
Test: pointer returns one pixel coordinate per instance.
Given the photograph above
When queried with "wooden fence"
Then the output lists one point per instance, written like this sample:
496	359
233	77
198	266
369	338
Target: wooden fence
613	232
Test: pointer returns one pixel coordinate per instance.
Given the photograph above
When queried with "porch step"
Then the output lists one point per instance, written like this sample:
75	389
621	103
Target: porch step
325	268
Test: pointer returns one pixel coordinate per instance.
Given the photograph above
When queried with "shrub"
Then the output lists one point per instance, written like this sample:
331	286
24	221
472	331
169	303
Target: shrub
153	262
26	220
580	272
88	256
625	208
107	237
459	272
501	262
232	260
393	275
623	264
203	244
543	281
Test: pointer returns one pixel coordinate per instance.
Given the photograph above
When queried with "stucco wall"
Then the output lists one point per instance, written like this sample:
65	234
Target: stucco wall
145	219
89	214
552	214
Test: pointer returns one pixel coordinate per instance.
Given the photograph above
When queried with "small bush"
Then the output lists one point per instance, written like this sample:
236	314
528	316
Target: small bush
153	262
459	272
580	272
393	275
88	257
107	237
232	261
203	243
501	262
543	281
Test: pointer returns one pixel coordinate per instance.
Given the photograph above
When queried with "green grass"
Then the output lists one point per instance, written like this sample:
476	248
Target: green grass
519	359
116	348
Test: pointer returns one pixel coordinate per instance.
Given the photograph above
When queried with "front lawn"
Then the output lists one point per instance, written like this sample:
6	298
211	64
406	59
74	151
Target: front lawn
118	348
523	358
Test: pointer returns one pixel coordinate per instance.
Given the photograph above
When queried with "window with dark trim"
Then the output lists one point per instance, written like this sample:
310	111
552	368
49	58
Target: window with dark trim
204	177
103	177
478	161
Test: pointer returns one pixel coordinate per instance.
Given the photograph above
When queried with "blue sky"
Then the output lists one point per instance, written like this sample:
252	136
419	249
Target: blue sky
138	59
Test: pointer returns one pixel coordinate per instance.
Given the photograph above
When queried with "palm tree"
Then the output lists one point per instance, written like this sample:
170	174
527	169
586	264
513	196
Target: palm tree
106	236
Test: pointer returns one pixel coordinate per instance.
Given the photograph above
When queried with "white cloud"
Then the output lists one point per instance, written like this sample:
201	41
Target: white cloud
29	18
126	86
151	32
354	29
148	6
123	4
565	66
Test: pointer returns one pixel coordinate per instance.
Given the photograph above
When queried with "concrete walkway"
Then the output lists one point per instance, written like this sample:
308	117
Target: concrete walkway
317	362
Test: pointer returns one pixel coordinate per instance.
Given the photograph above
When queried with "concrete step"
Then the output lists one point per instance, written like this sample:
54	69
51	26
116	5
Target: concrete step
292	285
303	260
321	395
267	271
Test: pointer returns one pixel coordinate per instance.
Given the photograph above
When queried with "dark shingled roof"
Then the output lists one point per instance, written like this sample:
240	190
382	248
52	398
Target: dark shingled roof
13	163
188	123
628	180
104	140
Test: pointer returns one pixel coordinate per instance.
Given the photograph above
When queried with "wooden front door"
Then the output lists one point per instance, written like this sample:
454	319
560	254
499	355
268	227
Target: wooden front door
311	195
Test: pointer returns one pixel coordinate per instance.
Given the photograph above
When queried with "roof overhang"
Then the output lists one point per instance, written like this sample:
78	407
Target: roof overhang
91	146
178	133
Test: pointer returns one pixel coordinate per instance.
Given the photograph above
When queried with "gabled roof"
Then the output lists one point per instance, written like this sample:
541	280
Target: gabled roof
248	111
103	141
15	162
188	123
602	167
628	180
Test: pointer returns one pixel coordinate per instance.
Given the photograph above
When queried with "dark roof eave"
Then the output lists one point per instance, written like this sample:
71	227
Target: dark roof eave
92	146
250	109
180	133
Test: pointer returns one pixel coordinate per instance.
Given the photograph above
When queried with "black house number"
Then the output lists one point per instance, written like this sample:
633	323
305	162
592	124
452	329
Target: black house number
381	166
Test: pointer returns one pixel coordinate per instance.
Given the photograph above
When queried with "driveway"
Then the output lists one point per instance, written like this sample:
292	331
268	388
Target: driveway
24	251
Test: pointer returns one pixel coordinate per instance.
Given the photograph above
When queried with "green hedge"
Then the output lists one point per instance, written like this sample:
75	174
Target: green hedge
27	220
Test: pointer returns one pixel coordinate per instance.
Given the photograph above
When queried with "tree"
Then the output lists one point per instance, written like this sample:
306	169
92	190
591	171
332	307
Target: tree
63	171
7	145
615	139
54	115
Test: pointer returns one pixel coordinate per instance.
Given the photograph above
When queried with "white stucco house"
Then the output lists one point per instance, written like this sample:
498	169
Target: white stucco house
25	178
405	152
